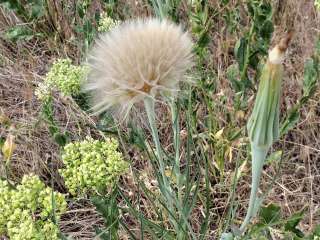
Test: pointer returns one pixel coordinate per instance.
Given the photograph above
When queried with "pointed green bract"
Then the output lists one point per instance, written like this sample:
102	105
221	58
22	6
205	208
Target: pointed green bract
263	125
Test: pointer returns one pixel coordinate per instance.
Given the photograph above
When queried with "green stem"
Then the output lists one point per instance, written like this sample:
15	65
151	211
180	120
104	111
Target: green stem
247	56
258	158
232	197
176	139
149	106
177	172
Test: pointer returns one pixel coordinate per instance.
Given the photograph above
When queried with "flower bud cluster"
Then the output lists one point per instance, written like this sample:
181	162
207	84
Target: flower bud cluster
317	4
26	210
91	166
106	23
64	76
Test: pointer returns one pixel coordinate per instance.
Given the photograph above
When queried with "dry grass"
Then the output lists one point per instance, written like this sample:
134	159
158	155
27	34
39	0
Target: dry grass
23	65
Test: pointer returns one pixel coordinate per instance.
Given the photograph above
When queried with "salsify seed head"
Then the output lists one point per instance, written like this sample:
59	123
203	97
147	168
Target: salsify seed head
139	58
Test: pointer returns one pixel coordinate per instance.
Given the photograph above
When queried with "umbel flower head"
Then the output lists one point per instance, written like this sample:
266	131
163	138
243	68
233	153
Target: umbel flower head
91	166
106	23
137	59
63	76
26	209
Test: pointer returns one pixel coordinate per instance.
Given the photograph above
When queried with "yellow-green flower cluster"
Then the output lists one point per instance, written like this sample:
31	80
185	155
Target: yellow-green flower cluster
64	76
317	4
43	92
26	210
91	166
106	23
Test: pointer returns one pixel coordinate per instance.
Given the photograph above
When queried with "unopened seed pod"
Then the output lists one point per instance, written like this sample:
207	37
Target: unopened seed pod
263	125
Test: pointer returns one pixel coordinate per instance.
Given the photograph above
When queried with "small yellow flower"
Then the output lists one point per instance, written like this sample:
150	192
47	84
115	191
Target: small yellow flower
106	23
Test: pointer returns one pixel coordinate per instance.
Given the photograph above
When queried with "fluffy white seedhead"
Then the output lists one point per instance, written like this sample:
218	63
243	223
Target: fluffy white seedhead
138	58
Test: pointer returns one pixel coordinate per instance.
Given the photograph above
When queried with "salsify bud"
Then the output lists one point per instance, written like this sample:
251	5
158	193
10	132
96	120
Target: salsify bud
263	125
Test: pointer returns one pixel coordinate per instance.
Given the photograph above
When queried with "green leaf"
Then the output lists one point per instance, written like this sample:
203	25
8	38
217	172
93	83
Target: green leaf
240	52
2	141
37	9
108	208
270	214
316	232
292	223
14	5
266	30
19	32
101	234
136	136
80	10
233	76
310	79
60	139
291	120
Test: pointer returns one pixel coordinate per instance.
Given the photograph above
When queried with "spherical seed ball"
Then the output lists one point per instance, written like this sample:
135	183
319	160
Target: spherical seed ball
136	59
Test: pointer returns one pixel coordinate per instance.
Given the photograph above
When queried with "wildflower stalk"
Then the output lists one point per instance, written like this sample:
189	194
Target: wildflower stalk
258	158
176	142
149	106
177	172
263	125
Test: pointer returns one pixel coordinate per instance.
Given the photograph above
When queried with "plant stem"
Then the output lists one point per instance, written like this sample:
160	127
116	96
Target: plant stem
232	197
177	172
247	57
258	157
149	106
176	139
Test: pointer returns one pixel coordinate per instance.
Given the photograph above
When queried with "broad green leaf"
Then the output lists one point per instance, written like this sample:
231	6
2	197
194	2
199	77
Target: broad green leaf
270	214
60	139
266	30
292	223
